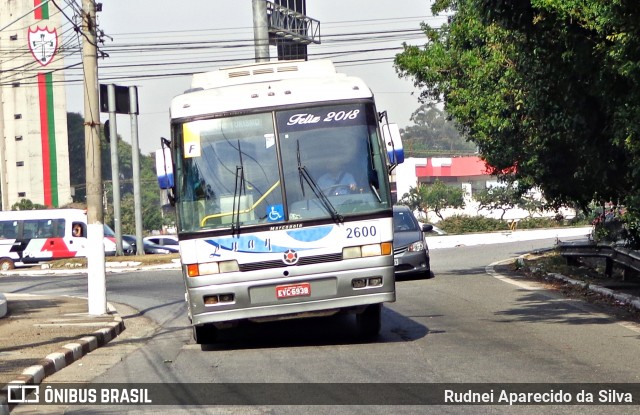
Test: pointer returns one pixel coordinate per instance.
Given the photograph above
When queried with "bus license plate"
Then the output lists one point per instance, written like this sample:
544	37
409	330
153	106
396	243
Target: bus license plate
293	290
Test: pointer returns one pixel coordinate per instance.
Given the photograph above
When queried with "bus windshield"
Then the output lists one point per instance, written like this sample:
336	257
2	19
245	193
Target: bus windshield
309	163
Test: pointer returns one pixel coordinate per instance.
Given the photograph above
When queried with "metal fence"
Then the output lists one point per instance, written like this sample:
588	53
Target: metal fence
625	258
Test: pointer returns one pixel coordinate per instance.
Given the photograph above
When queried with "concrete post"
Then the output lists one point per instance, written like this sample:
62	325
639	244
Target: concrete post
95	255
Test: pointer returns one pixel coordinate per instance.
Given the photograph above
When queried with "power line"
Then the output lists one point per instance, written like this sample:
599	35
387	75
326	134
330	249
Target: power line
244	57
199	55
249	29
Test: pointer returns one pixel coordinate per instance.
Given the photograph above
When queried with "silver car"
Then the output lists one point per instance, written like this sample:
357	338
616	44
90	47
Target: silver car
410	250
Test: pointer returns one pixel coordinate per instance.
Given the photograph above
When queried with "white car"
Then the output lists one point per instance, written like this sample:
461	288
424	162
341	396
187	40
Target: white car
163	240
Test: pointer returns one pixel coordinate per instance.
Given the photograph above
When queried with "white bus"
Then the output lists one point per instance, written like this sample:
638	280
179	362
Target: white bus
28	237
262	237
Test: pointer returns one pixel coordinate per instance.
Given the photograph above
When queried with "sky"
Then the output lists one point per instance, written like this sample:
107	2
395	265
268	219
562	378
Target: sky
156	45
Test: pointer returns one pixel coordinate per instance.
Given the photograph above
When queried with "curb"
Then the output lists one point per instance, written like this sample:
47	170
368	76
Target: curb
625	299
63	357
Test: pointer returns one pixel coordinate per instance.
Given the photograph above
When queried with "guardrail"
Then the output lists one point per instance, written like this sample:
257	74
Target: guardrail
626	258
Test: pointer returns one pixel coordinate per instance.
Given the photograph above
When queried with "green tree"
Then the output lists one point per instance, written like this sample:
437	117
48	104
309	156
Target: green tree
531	204
77	168
545	88
501	198
432	133
435	197
26	204
152	217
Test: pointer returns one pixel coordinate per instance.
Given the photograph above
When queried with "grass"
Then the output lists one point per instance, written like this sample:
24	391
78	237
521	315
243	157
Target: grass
151	259
590	269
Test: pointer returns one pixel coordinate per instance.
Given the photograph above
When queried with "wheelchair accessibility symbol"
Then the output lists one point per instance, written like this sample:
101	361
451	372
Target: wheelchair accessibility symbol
275	213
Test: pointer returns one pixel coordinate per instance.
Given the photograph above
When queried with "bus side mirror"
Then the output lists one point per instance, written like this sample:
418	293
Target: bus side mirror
164	168
391	136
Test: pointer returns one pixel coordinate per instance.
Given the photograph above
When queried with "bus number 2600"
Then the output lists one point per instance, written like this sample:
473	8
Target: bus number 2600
358	232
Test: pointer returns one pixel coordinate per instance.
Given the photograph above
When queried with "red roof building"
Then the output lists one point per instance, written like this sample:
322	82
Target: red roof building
470	172
454	169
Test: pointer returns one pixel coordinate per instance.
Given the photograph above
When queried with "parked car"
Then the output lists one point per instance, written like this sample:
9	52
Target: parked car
149	247
131	240
410	250
163	240
110	243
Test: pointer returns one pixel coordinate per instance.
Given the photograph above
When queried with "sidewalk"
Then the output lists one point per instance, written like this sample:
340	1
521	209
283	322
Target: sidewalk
40	335
451	241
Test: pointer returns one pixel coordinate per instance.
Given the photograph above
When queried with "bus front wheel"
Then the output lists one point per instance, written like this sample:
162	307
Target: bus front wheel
6	264
369	321
205	334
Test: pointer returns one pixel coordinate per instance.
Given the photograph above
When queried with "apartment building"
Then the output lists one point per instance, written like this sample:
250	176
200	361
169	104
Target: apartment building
34	153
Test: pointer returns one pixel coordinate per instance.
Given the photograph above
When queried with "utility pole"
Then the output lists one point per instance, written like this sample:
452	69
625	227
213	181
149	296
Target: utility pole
97	292
260	30
135	166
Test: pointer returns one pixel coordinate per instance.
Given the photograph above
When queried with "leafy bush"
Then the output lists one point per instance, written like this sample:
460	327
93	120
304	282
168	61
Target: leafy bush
535	223
581	219
458	224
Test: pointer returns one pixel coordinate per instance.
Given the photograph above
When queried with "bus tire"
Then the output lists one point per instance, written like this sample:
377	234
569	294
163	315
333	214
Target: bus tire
6	264
369	322
205	334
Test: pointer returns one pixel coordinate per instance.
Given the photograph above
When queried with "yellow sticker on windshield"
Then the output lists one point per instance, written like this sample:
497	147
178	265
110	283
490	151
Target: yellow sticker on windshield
191	141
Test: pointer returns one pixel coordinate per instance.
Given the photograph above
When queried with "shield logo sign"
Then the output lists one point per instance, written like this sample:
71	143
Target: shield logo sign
43	43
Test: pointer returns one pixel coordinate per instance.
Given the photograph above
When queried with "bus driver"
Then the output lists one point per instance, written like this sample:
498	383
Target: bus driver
336	180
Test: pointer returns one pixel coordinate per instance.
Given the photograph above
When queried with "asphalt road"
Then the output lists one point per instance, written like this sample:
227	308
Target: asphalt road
463	326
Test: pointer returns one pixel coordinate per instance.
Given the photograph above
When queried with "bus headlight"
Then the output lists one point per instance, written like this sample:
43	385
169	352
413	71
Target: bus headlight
385	248
229	266
371	250
208	268
351	252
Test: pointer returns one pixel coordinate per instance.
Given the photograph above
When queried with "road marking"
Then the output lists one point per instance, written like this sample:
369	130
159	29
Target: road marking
536	286
527	285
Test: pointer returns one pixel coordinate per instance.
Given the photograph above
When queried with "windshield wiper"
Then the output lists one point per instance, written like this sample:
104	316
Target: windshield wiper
326	203
375	192
300	167
237	194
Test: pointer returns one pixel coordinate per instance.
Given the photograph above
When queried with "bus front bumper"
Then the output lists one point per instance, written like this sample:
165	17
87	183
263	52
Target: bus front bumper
277	299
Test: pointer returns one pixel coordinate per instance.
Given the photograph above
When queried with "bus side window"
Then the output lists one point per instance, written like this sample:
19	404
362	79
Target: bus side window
77	229
8	229
58	228
29	229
